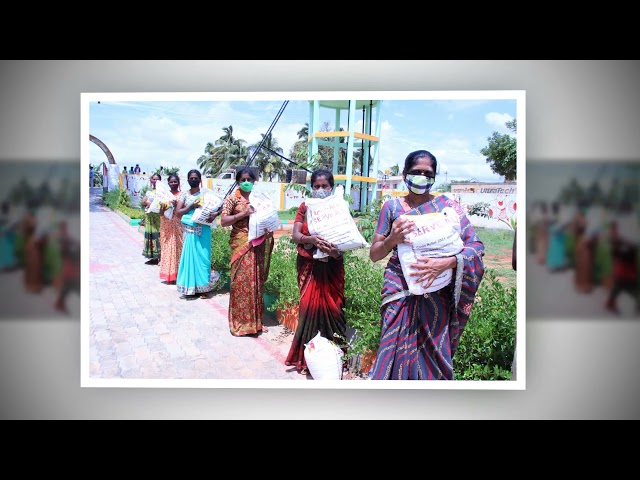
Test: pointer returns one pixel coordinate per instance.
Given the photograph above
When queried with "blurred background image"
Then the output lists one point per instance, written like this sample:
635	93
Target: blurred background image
40	239
582	239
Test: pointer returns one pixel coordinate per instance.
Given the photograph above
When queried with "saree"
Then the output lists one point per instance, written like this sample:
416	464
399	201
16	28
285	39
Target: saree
8	258
33	256
249	271
151	248
171	247
421	333
194	269
321	299
557	252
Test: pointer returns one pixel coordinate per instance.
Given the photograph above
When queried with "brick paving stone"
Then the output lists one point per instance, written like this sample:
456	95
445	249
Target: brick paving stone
141	329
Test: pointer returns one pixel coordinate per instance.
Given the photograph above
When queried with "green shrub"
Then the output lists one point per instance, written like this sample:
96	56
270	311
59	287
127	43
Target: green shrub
283	275
131	212
488	341
362	286
221	255
116	198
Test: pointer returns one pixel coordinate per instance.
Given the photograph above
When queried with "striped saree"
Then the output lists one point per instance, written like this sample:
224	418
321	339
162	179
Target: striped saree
420	333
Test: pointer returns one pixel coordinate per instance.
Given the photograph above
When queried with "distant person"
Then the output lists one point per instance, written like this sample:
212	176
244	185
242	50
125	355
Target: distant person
33	254
250	260
137	169
8	259
421	333
91	174
70	281
151	247
131	171
194	271
321	281
625	265
542	232
584	246
556	256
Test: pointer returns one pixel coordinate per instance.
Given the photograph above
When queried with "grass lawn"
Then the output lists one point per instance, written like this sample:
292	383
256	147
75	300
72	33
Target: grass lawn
287	214
498	245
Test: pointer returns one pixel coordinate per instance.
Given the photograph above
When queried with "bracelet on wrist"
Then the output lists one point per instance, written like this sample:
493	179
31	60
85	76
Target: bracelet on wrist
384	245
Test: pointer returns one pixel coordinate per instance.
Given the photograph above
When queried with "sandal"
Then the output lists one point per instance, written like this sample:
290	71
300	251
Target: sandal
190	297
264	329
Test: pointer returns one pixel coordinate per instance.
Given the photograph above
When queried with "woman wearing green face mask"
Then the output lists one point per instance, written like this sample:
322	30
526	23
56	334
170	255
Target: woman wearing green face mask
249	260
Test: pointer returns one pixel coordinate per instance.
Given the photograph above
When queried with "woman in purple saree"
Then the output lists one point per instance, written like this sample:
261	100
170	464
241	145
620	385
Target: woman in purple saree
420	333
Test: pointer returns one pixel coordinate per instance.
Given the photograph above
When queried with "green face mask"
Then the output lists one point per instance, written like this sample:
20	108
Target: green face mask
246	186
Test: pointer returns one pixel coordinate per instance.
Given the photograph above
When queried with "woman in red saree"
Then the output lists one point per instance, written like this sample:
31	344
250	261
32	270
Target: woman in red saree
250	260
321	281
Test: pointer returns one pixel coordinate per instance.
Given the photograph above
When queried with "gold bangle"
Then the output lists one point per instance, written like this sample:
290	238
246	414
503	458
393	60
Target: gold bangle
384	245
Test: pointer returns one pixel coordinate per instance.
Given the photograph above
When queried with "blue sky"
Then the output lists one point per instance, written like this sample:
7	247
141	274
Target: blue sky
173	129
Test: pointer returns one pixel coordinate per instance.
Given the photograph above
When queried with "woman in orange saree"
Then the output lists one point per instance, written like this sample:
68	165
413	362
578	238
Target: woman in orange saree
171	236
250	260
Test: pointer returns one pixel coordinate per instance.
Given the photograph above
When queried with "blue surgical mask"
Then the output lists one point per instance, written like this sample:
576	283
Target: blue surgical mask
321	193
419	184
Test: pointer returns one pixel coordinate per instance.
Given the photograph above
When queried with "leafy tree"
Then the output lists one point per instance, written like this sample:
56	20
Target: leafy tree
166	171
501	152
269	164
225	151
303	133
443	187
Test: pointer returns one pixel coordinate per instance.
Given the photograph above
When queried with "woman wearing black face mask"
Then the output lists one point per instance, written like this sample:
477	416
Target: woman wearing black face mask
321	281
194	270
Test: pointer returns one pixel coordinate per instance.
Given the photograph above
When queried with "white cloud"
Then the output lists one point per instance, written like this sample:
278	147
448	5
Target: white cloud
498	120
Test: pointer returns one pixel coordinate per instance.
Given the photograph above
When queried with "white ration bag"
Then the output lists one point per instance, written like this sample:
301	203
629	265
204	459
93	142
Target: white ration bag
210	202
264	218
162	197
436	235
324	358
331	219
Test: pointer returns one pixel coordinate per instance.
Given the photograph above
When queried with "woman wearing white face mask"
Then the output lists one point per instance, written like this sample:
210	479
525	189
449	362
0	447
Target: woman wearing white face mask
250	260
321	281
420	333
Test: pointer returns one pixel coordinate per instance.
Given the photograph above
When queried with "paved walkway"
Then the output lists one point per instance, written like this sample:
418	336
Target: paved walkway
141	329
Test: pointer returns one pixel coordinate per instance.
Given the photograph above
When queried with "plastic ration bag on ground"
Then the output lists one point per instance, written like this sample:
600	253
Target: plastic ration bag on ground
331	219
210	203
214	277
265	218
436	235
324	358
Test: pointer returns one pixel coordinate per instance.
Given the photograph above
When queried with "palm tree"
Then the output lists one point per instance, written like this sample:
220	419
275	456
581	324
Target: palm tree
303	133
226	151
228	138
269	164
